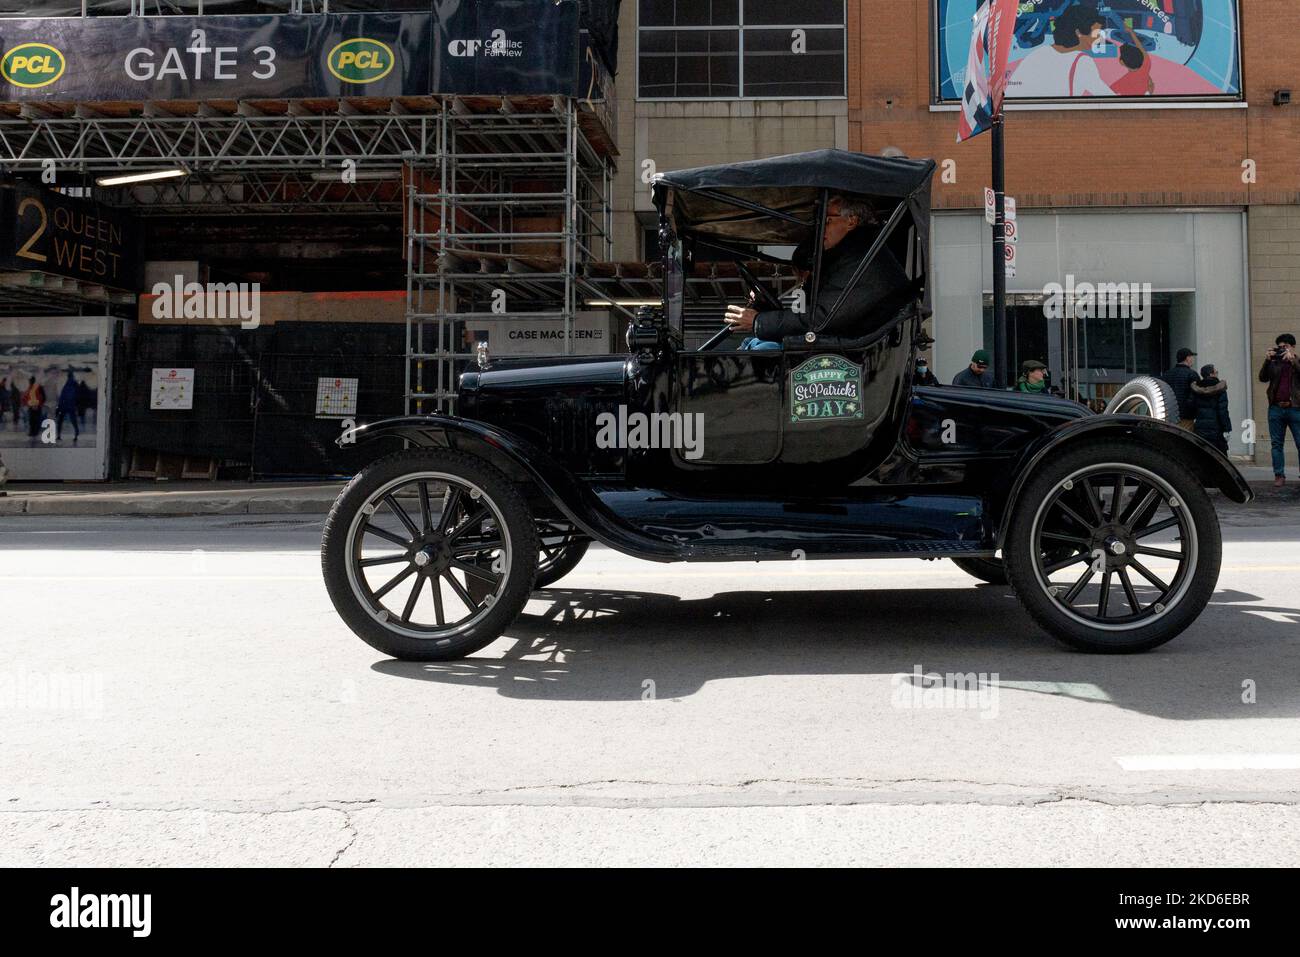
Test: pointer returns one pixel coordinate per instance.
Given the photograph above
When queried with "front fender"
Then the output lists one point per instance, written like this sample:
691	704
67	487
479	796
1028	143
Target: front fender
1210	466
522	461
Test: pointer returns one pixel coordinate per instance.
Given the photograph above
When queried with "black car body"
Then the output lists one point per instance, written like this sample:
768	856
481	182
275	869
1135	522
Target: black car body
821	448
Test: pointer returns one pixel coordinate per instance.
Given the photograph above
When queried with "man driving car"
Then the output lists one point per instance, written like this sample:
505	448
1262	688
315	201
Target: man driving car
849	234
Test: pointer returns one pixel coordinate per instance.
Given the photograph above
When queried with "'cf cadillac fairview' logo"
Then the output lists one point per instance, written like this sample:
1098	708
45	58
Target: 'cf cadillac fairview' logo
496	45
360	60
826	387
32	65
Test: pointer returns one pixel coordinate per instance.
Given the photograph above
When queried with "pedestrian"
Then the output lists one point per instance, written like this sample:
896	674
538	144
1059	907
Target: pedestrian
977	374
34	403
923	375
1033	377
67	408
1210	401
15	399
4	398
1180	379
1281	370
85	399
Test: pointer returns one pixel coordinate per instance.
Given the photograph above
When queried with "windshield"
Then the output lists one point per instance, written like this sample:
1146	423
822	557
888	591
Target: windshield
674	281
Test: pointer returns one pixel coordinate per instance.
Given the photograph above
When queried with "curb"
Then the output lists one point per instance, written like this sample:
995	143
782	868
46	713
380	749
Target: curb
160	506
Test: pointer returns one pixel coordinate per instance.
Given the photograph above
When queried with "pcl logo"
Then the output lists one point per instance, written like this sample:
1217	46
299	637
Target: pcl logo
360	60
32	65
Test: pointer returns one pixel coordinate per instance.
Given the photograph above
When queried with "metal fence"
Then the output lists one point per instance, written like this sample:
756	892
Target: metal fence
255	393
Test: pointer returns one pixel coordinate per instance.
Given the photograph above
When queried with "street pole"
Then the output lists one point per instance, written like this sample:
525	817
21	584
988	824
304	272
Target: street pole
1000	366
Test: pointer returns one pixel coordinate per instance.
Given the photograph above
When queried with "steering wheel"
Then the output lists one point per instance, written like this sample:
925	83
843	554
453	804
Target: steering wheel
757	293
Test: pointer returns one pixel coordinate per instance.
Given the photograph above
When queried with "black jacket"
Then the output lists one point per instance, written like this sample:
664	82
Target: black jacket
883	279
1180	379
1210	408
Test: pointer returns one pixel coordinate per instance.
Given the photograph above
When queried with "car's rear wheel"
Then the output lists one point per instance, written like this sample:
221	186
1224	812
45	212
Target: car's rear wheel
1113	547
989	570
429	555
561	548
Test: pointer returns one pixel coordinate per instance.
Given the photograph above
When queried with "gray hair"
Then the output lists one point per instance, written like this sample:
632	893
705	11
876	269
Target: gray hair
853	206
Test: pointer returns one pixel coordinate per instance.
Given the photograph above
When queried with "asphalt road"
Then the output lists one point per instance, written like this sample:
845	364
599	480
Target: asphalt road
180	691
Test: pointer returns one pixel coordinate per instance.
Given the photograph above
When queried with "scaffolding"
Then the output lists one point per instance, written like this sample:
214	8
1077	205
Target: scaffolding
506	202
476	178
501	226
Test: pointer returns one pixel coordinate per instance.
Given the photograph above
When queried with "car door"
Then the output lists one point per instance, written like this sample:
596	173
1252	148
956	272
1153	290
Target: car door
735	398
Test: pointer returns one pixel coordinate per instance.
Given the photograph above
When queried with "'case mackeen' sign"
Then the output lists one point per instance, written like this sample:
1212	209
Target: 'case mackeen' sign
826	387
45	231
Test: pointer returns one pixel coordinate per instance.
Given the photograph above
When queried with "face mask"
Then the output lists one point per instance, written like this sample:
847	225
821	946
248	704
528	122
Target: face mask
922	369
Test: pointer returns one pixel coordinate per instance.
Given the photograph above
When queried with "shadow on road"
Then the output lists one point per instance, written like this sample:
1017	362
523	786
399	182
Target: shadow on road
593	645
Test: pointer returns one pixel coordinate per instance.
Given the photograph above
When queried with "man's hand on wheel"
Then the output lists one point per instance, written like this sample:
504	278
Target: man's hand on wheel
740	318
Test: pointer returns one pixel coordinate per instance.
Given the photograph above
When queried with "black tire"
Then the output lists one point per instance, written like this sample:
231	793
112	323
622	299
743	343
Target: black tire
1146	395
989	570
561	548
483	530
1067	522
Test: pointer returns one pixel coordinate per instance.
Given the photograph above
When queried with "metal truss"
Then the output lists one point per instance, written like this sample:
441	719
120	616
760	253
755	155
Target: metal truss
36	293
262	193
245	141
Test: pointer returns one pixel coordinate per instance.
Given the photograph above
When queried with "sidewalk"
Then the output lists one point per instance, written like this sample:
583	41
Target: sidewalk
261	498
169	498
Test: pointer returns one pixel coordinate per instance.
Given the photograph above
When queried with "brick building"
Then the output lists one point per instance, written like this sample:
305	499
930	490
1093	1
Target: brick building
1195	193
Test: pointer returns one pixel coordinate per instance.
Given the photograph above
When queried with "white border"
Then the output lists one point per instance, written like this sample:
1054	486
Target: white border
1011	107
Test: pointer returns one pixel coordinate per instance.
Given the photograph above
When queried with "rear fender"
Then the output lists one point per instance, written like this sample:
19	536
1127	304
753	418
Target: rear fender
1210	466
522	462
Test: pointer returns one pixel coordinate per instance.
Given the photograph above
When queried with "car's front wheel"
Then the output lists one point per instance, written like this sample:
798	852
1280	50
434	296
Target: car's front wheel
429	555
1113	547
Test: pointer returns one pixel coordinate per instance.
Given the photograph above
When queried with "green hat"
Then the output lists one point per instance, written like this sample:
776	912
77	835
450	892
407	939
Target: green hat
981	355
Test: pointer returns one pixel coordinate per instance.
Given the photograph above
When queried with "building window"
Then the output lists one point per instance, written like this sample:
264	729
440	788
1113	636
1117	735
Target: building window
731	49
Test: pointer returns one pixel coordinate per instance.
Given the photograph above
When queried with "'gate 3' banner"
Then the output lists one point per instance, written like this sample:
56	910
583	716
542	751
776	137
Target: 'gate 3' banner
510	46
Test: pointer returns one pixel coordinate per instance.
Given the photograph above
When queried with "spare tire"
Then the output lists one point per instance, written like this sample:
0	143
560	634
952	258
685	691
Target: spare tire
1146	395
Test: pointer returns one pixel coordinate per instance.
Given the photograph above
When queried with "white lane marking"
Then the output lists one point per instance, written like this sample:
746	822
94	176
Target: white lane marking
160	578
1209	762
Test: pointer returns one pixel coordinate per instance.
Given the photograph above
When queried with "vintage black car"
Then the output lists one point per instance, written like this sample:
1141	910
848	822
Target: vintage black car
814	447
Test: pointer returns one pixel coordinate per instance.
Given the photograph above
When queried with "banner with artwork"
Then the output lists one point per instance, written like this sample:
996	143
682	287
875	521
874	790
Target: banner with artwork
53	397
1067	50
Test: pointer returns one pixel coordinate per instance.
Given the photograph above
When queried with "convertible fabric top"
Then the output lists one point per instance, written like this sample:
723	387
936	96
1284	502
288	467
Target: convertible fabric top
695	200
820	169
791	185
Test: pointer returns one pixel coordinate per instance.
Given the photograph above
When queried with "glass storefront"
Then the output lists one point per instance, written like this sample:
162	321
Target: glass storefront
1188	269
1090	357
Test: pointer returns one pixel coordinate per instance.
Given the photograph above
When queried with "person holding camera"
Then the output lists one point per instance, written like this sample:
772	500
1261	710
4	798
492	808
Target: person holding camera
1281	370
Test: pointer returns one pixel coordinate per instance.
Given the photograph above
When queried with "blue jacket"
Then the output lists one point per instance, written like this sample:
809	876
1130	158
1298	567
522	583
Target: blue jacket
68	397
